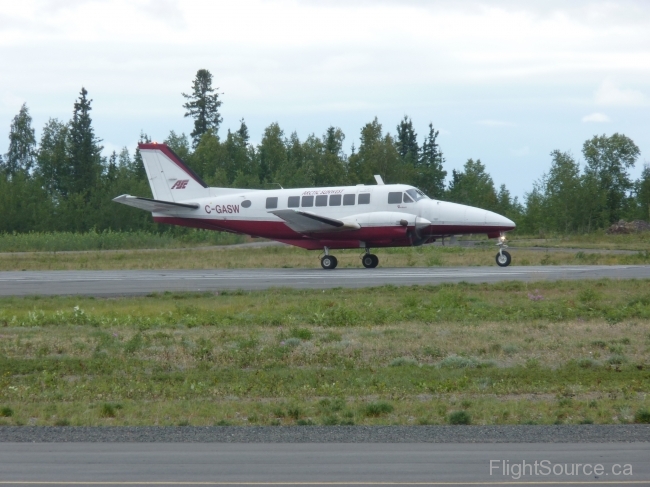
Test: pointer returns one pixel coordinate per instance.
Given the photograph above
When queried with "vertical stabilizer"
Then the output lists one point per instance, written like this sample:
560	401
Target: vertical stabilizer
169	177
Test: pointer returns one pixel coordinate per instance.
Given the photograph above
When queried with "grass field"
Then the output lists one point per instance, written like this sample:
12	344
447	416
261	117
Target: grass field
510	353
595	240
108	240
291	257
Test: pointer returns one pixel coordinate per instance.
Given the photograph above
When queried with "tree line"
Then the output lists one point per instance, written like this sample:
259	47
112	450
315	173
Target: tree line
62	182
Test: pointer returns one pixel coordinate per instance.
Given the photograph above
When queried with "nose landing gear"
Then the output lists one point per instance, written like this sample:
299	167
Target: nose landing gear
503	258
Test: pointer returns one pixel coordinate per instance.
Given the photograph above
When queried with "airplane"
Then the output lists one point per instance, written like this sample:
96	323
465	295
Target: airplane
341	217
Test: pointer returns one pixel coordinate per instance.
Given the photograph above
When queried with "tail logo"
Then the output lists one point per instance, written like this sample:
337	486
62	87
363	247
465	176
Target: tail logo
180	184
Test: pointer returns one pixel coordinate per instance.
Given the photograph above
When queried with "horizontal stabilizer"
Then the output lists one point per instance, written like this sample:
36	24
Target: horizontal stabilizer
305	222
155	206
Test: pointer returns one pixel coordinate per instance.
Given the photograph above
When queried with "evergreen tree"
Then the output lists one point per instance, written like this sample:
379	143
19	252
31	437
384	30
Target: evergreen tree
52	168
377	154
407	142
563	192
332	170
179	144
473	186
137	168
642	189
203	106
272	153
22	144
430	175
84	151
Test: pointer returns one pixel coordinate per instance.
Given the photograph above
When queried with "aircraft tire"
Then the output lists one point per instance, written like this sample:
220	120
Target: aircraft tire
503	259
329	262
370	261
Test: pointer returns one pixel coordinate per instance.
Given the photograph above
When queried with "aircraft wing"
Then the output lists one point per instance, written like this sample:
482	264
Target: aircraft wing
305	222
156	206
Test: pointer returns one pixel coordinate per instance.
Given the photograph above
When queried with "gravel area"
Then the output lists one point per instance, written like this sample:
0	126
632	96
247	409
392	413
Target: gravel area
330	434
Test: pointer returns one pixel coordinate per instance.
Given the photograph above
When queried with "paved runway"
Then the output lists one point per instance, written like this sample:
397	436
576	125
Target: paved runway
332	463
114	283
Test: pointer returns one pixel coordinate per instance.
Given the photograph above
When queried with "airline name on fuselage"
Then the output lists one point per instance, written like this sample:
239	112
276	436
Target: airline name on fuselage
222	209
322	191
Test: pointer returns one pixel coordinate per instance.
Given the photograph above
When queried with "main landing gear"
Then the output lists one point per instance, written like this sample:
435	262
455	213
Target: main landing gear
369	261
328	261
503	257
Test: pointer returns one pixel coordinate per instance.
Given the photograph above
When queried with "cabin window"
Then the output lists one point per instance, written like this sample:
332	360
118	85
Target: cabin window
335	200
348	199
364	199
307	201
246	203
294	202
394	198
321	200
408	199
272	202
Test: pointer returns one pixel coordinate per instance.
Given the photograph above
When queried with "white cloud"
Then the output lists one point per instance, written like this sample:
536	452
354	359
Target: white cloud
596	117
609	94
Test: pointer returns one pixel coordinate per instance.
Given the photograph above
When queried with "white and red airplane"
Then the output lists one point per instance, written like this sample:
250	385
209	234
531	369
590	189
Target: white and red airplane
342	217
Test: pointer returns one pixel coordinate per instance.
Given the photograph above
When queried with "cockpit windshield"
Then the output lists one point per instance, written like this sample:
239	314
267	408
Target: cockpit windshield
416	194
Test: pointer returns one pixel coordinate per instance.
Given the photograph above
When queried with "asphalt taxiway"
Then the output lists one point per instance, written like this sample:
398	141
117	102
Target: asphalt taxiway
139	282
324	464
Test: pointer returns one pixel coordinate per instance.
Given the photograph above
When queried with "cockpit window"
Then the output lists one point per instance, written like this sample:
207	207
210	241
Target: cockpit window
407	199
416	194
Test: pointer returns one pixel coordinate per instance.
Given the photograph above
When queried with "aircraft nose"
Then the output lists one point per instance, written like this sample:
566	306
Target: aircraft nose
499	220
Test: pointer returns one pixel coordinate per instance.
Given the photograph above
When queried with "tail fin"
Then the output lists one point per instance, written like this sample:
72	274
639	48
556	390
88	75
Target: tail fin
169	177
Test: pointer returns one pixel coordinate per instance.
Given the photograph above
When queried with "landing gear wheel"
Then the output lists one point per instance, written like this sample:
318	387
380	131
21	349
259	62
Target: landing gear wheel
329	262
370	261
503	259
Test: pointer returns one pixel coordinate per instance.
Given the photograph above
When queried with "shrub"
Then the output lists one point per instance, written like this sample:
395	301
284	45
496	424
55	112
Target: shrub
109	410
587	363
292	342
460	417
375	409
294	413
6	412
616	359
457	362
401	361
301	333
330	420
642	416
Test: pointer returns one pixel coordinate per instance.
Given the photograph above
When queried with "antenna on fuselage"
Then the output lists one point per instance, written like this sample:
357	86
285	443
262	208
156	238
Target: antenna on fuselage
279	185
379	180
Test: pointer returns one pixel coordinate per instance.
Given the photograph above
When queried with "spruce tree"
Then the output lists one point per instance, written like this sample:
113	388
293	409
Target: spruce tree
407	142
203	106
84	151
431	175
22	144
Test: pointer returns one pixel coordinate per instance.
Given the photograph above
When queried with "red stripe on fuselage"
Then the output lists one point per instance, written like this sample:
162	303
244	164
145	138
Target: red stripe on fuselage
393	236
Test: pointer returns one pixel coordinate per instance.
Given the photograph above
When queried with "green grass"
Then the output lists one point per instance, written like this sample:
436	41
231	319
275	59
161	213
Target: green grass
595	240
108	240
449	354
292	257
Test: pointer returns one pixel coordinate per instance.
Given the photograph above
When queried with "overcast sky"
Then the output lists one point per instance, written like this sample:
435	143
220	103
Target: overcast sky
503	81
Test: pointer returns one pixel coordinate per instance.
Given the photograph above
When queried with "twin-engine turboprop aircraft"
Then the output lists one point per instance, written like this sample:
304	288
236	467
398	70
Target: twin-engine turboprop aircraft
343	217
